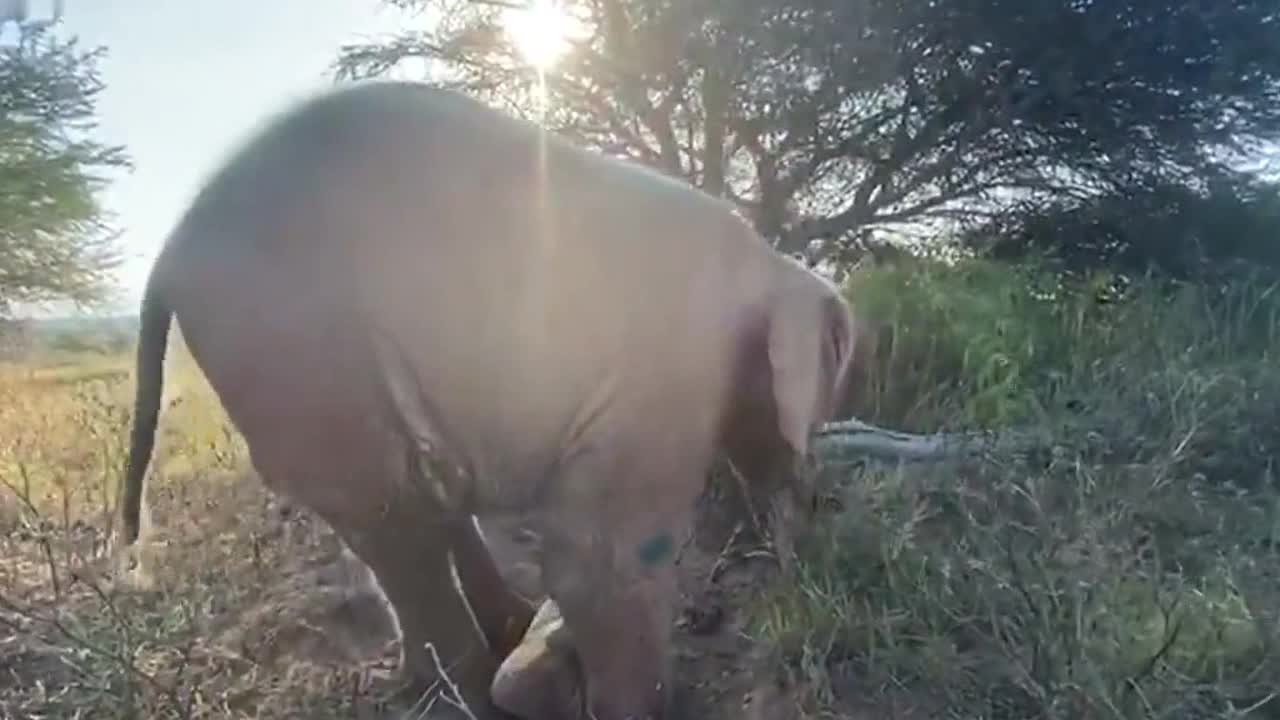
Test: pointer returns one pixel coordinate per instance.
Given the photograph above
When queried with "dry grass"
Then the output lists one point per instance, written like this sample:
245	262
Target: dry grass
246	619
251	615
1126	568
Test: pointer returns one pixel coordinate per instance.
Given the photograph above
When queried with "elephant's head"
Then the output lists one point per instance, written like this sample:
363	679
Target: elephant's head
793	373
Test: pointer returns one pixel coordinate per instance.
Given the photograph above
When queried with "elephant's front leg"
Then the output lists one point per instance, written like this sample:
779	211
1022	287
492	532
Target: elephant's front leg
409	555
609	562
502	614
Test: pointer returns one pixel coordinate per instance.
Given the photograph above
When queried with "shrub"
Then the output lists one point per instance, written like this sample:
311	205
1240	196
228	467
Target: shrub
1120	565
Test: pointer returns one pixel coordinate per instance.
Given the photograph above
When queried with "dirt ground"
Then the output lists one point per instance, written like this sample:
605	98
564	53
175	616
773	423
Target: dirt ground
720	675
318	611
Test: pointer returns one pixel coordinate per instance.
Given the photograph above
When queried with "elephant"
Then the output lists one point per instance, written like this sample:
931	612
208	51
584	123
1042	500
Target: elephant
542	676
419	310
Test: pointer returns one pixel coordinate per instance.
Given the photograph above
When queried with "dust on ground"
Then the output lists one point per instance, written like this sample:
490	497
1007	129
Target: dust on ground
281	622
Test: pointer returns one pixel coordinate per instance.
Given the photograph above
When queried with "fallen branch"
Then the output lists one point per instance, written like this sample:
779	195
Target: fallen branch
847	439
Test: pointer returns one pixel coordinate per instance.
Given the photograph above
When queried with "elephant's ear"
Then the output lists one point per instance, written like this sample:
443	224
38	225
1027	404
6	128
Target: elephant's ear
810	348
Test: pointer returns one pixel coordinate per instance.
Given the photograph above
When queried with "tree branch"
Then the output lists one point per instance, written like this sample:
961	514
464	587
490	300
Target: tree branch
845	439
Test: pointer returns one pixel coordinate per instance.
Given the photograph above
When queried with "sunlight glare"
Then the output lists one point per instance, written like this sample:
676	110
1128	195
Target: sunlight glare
541	32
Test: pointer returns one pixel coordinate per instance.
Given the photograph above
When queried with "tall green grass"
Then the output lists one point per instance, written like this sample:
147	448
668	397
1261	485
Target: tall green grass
982	343
1125	565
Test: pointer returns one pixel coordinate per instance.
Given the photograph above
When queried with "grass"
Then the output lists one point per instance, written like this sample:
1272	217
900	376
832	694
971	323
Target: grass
201	646
1125	566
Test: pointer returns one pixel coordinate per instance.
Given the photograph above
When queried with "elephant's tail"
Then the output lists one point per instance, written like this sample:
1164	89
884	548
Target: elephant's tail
153	337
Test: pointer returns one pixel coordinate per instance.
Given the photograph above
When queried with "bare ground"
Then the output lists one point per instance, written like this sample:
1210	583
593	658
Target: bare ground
257	613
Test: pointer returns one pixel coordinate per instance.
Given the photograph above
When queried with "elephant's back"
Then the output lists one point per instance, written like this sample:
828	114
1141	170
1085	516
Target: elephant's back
520	273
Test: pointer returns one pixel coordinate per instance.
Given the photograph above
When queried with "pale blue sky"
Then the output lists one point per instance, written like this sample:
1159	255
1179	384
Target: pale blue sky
185	81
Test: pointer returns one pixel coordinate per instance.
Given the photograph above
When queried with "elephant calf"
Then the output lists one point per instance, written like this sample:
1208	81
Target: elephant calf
417	310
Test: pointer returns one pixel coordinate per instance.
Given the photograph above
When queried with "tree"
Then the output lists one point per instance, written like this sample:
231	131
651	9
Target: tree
1202	234
55	242
15	339
825	120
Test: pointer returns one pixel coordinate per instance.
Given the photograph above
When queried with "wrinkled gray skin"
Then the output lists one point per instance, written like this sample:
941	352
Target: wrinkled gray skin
417	309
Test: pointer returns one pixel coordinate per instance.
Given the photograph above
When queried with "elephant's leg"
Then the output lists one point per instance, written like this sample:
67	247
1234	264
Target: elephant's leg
409	555
609	562
542	677
503	615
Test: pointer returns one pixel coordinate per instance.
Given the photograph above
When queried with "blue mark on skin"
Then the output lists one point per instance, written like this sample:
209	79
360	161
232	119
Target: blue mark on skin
657	549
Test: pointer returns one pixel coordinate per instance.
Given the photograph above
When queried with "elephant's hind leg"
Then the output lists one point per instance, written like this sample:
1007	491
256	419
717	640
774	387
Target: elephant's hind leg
409	555
503	615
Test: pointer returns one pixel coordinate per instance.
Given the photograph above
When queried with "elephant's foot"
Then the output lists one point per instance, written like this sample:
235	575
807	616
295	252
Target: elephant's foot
441	649
399	693
466	674
449	689
541	679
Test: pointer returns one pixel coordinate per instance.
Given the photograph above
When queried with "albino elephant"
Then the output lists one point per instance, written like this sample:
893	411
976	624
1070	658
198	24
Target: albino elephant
542	678
417	310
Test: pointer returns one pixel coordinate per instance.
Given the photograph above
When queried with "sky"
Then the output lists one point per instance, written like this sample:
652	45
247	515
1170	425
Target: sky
187	81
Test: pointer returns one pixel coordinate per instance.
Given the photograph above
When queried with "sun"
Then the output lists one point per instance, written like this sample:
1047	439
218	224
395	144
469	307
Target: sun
541	32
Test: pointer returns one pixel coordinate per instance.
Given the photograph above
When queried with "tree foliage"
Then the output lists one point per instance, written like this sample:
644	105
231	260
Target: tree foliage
1205	234
55	242
826	119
